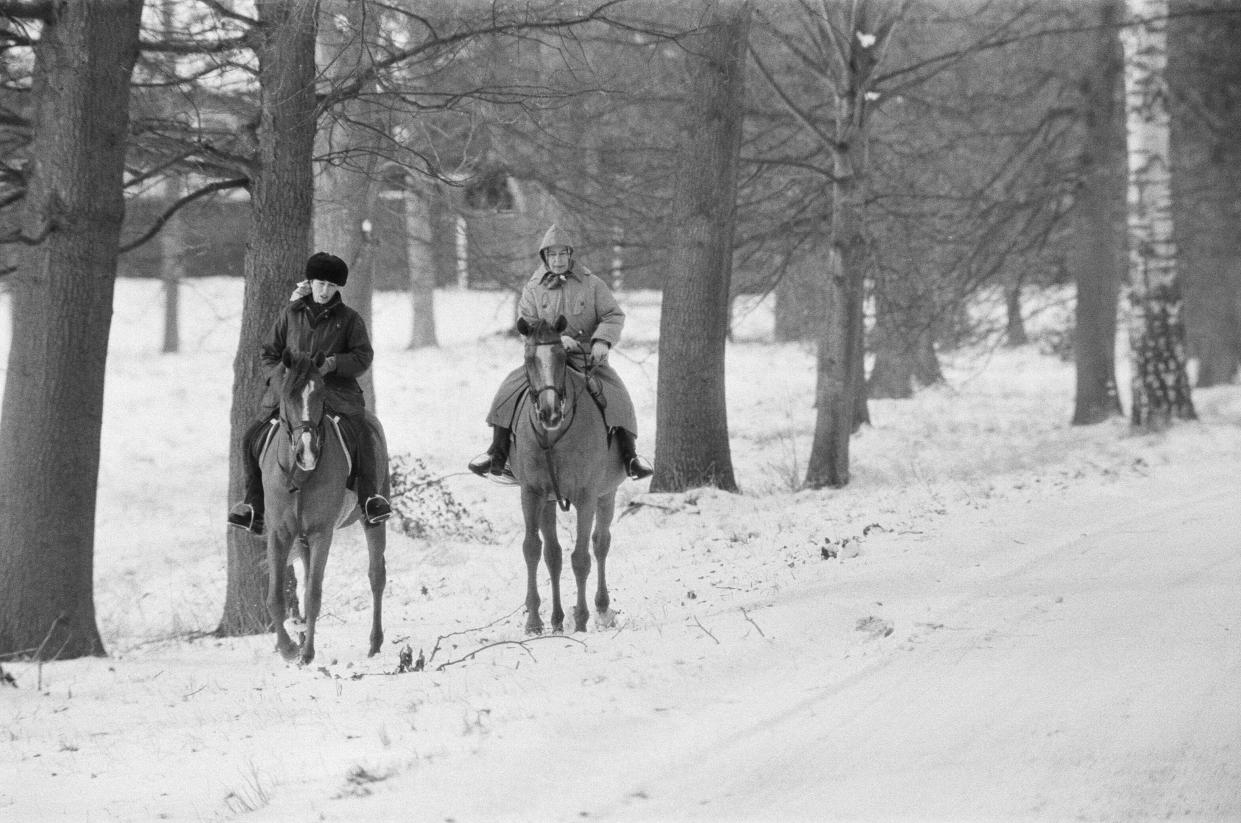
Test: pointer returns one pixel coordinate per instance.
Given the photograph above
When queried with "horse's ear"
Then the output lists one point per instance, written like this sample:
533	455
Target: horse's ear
287	359
523	328
561	324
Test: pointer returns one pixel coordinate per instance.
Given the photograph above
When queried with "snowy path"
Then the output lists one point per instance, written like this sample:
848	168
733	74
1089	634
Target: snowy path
1099	682
1093	678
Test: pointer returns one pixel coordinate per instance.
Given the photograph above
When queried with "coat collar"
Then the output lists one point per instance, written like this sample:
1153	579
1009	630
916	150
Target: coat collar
307	304
555	281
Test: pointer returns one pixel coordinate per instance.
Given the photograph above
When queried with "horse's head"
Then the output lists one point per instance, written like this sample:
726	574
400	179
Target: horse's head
301	407
545	368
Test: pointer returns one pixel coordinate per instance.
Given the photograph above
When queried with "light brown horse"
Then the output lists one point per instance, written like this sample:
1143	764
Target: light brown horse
305	471
563	455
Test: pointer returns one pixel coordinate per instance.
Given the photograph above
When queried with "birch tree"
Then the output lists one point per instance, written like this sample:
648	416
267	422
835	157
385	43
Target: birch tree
1160	382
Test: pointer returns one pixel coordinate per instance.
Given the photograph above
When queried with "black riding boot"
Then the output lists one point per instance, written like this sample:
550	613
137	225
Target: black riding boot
495	459
248	514
636	467
375	507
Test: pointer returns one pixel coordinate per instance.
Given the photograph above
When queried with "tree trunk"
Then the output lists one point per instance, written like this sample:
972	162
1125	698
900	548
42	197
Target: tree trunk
1204	75
276	251
839	382
61	317
1100	251
347	188
1015	326
171	248
1160	383
691	447
798	304
422	269
903	339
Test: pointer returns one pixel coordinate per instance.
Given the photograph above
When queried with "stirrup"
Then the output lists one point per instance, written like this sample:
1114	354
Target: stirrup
637	468
244	516
376	509
481	465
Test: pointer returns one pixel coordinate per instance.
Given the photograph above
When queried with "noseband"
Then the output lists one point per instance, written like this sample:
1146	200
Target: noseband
543	376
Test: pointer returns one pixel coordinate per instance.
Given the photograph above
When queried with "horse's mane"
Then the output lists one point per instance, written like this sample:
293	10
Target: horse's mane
298	373
542	331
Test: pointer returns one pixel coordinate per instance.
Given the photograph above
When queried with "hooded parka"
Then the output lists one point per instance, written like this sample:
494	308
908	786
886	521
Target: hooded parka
591	312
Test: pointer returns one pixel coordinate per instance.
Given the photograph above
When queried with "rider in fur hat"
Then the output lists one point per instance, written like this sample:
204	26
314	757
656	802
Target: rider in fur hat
316	320
559	287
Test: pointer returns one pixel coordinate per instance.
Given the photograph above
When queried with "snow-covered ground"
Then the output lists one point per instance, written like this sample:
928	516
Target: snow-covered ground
1001	618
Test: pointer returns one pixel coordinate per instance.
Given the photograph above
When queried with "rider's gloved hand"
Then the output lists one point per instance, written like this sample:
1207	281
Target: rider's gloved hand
300	290
329	365
570	343
599	351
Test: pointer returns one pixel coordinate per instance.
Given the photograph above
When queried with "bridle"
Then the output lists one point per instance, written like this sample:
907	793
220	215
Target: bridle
305	406
547	374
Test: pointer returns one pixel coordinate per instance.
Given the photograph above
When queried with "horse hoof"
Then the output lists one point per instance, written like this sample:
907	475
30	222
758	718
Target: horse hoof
289	653
605	620
534	628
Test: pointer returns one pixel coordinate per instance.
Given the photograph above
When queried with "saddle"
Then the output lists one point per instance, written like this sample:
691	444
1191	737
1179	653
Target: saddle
343	428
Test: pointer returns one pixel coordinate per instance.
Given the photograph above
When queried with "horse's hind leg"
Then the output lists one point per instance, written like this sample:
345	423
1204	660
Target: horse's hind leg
581	562
277	561
532	512
602	540
553	556
376	544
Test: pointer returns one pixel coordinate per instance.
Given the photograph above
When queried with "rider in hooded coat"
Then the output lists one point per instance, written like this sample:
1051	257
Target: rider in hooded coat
561	287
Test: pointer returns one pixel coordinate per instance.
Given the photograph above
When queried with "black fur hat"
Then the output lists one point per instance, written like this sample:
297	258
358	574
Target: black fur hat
329	267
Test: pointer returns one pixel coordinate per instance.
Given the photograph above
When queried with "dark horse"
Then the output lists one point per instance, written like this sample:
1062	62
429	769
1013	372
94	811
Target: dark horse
563	456
305	471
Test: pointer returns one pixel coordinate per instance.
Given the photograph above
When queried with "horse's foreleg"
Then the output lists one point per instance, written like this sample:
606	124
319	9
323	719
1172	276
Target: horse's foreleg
602	540
319	546
532	511
376	543
581	562
277	560
553	556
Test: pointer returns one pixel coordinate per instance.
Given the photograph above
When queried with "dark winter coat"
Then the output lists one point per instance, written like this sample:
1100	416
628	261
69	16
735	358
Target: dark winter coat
332	329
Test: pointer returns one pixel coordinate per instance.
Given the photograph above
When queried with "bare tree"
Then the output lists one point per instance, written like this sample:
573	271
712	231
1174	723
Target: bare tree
62	311
1100	239
282	195
1204	83
691	447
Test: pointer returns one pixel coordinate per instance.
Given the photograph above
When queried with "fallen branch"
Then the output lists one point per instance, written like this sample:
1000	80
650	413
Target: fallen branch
707	631
752	623
524	644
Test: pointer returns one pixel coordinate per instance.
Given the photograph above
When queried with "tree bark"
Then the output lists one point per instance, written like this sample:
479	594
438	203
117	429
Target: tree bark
62	314
1204	76
420	242
171	247
903	338
1161	391
691	447
839	381
276	251
1100	251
